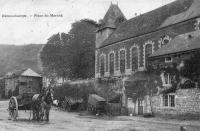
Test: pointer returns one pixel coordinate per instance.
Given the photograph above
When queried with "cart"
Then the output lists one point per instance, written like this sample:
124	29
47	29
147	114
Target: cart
72	104
21	102
96	104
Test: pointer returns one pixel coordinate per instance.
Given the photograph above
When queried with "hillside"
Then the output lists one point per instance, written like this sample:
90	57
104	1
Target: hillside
13	57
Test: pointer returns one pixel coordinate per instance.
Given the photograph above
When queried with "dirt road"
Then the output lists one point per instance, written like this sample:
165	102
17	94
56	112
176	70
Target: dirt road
65	121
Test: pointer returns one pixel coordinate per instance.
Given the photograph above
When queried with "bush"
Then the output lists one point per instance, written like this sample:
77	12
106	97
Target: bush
75	90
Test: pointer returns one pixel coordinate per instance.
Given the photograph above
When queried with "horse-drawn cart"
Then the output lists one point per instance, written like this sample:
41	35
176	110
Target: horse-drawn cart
26	101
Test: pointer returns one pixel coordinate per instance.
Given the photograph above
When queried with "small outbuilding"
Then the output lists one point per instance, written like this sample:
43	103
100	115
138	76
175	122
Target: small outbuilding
22	81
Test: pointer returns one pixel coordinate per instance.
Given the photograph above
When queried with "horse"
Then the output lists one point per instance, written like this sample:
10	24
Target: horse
37	107
47	100
41	105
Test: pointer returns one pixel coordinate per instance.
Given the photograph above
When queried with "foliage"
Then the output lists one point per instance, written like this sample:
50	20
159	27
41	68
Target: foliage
109	91
184	71
74	90
191	68
71	55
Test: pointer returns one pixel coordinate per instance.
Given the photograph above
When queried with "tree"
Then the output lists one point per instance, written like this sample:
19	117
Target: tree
71	55
83	46
51	55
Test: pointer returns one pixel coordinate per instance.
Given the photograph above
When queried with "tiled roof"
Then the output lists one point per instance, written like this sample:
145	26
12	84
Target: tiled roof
112	17
181	43
23	72
172	13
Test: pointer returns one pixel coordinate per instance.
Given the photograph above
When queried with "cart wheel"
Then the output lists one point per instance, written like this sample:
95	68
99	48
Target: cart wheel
13	108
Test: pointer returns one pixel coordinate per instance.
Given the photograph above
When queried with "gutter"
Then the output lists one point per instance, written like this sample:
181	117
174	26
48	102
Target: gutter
175	53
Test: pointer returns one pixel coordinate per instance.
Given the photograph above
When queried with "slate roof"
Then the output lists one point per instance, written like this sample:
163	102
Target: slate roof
112	17
181	43
172	13
23	72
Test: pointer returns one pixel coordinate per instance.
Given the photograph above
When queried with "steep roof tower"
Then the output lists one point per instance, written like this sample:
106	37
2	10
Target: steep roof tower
112	19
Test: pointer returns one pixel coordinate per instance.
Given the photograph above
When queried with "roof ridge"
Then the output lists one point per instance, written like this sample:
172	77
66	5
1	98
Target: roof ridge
149	21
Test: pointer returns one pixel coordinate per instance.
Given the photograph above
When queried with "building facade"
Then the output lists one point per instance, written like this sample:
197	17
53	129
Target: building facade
123	46
23	81
178	65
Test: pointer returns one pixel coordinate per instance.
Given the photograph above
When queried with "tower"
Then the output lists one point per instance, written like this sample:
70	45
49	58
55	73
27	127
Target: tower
112	19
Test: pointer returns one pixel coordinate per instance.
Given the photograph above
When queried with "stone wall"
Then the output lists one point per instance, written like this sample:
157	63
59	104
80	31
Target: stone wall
10	84
33	84
154	37
187	101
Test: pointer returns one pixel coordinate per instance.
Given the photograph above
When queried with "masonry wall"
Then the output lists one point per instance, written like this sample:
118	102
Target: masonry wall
154	37
10	84
34	84
187	102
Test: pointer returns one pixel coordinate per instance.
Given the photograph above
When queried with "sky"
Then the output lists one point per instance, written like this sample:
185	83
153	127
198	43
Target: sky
30	21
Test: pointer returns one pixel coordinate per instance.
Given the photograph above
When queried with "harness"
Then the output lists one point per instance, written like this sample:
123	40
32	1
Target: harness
48	98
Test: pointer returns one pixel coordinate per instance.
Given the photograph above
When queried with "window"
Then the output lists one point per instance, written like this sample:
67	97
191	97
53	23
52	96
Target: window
172	100
165	100
134	59
168	59
169	100
168	79
102	63
164	42
23	83
122	61
111	64
148	52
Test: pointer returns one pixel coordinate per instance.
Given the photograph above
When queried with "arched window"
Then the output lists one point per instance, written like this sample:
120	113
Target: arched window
122	61
148	52
134	57
164	41
102	65
111	60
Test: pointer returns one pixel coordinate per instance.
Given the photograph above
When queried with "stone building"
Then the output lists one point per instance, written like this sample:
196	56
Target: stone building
182	98
123	46
22	81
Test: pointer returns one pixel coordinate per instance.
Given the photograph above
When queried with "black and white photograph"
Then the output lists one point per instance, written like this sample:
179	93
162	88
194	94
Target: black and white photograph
100	65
